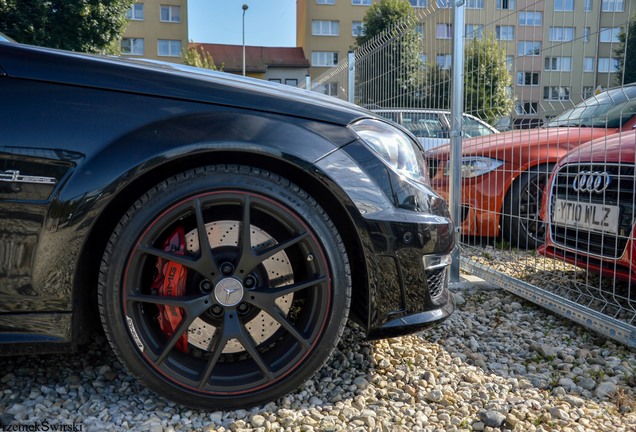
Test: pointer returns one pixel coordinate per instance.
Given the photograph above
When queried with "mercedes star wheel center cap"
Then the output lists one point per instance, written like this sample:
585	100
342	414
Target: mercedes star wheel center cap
228	292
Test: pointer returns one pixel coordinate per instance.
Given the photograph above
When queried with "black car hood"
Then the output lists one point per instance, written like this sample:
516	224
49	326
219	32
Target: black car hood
171	80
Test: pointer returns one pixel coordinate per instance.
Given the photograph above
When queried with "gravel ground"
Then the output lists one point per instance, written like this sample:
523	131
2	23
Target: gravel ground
499	363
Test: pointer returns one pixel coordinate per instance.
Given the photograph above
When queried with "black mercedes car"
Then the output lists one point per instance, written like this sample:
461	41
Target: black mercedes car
218	228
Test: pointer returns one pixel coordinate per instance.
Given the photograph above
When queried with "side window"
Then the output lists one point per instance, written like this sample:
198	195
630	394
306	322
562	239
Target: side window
424	125
472	128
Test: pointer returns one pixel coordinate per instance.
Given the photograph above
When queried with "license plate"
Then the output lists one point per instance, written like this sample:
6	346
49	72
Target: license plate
587	216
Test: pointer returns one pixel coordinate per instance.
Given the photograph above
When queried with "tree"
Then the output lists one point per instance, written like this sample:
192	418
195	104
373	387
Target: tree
196	56
626	54
487	80
389	74
76	25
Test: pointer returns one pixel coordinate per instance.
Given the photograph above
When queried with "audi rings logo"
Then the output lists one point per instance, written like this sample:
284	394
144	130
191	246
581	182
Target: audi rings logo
588	181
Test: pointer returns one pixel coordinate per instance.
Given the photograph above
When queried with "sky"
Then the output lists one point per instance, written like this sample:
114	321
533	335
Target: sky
267	22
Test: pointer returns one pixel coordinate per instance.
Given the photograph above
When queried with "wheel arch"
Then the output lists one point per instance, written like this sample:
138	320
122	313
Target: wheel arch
320	188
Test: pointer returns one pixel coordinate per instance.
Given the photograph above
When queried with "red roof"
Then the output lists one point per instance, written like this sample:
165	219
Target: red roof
257	59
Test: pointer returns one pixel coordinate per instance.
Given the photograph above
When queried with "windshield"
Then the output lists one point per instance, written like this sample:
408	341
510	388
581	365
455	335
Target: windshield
610	109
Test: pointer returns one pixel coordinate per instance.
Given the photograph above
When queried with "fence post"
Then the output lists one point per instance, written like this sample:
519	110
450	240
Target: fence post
351	77
307	82
457	108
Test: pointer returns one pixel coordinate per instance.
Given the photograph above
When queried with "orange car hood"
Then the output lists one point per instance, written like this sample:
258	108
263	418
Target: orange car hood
525	144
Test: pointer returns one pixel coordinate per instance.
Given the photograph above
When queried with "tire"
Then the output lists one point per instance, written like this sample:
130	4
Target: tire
522	226
237	323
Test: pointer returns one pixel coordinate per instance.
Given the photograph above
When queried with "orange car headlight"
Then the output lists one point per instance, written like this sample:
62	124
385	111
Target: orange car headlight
474	166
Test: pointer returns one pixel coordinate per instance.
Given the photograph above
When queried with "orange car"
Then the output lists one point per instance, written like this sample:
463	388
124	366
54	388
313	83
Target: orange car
590	207
504	175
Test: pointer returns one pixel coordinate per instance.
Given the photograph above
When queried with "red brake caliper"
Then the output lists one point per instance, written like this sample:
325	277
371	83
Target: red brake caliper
170	282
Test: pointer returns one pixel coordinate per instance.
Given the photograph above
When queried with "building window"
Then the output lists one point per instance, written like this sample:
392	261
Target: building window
133	46
588	64
526	108
324	58
563	5
505	32
527	78
325	1
587	92
474	31
291	82
607	64
444	4
325	28
136	12
610	34
561	64
510	61
556	93
444	31
419	3
361	2
170	14
506	4
612	6
531	19
424	59
474	4
561	34
330	88
528	48
357	28
444	61
168	48
586	34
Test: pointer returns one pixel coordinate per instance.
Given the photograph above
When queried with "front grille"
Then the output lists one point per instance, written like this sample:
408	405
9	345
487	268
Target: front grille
436	280
620	192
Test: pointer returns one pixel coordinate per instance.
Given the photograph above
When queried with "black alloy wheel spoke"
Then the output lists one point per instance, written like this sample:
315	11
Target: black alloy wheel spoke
244	337
250	259
186	321
192	307
264	297
191	304
264	254
245	238
218	342
280	318
205	252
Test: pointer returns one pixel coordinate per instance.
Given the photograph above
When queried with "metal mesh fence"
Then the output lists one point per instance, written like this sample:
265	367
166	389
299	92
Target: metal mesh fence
548	141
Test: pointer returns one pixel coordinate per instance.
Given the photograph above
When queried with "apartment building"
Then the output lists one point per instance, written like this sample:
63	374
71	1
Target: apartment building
157	29
559	51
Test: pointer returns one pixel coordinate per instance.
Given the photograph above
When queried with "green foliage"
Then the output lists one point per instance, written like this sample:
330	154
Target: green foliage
198	57
436	87
487	80
626	54
76	25
390	26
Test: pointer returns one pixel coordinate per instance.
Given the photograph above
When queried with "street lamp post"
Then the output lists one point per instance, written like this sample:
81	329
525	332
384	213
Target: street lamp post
245	6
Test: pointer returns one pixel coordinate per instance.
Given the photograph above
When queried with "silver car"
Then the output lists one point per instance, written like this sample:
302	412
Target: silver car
432	127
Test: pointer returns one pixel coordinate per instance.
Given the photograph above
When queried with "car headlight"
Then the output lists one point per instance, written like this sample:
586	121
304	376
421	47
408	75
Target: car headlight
393	146
474	166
